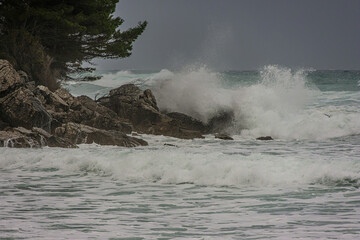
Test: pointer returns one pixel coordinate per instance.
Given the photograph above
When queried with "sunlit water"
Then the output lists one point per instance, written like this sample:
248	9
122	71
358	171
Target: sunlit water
303	185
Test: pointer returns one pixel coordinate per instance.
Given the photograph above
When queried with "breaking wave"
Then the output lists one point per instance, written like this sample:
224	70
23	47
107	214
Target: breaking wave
176	166
282	103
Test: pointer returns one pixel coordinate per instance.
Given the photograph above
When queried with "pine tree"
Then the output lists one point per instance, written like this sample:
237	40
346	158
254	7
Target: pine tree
49	39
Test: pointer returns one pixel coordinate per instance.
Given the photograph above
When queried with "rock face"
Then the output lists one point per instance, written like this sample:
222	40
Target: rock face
9	78
23	138
22	108
33	116
140	107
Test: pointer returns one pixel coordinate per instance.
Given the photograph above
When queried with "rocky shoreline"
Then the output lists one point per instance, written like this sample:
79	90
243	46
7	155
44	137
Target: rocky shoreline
34	116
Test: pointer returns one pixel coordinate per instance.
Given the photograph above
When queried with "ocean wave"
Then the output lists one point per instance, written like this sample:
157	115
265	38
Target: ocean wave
281	104
276	101
177	166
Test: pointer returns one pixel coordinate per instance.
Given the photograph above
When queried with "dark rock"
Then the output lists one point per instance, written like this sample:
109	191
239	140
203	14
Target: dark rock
24	138
15	139
170	145
265	138
53	141
140	108
221	121
9	78
223	136
79	133
86	111
189	122
98	116
3	125
50	100
22	108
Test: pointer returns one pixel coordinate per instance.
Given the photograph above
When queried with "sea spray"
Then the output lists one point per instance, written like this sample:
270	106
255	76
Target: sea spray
276	101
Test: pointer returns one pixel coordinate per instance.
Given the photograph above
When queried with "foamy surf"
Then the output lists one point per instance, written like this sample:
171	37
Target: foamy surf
304	184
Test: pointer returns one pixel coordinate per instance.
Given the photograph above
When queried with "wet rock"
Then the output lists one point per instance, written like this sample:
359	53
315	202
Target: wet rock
9	78
22	108
81	134
140	108
98	116
188	122
223	136
221	121
170	145
25	138
86	111
15	139
50	100
265	138
53	141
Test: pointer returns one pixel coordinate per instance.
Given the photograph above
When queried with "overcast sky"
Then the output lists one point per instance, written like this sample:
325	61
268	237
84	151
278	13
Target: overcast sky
242	34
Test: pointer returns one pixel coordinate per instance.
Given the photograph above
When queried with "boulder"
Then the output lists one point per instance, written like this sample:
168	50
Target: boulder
267	138
24	138
223	136
15	139
141	109
189	122
22	108
86	111
79	134
50	100
98	116
9	78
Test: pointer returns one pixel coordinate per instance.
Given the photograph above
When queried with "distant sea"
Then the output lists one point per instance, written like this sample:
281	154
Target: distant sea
302	185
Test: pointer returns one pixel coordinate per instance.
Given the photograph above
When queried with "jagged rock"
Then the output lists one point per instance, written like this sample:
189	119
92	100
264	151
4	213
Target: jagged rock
53	141
79	133
140	107
265	138
16	139
86	111
22	108
24	138
189	122
9	78
128	101
223	136
102	117
50	100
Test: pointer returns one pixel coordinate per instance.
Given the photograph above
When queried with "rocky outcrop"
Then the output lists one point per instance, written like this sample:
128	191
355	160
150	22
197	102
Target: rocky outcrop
80	134
31	115
22	108
140	107
9	78
24	138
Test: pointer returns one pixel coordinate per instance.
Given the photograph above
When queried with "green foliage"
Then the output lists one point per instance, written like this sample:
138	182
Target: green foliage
52	38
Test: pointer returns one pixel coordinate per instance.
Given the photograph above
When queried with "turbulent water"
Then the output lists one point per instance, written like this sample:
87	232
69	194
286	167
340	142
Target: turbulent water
303	185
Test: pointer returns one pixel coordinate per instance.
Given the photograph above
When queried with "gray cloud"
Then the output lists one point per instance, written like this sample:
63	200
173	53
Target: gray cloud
239	35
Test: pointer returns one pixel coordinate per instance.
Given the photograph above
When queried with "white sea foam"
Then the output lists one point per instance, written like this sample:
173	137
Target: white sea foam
281	104
202	165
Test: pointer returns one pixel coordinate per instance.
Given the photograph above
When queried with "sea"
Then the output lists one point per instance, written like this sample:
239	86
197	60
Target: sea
304	184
